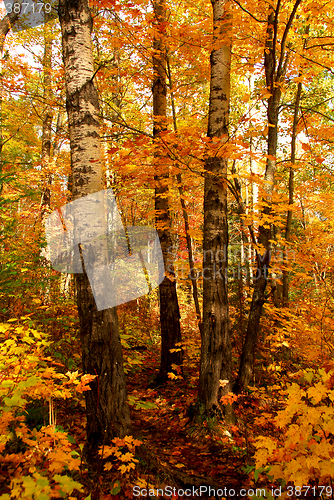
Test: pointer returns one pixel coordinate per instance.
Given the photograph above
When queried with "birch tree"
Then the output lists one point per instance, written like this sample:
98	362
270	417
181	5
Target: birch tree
106	407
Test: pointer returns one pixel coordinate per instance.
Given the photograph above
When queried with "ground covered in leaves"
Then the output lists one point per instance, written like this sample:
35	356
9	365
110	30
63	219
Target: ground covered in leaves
178	451
171	453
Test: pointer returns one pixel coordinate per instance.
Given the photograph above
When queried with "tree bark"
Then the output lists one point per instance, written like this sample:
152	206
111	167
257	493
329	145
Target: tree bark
215	363
4	30
169	307
106	407
47	122
287	234
185	214
274	78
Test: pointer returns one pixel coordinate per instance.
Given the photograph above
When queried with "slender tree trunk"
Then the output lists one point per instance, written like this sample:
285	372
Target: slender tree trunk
244	243
106	407
169	307
215	363
4	30
287	235
274	78
47	122
185	215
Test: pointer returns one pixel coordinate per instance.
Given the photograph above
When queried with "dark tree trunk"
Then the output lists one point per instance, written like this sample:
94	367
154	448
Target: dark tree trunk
274	78
106	406
216	355
185	214
169	307
47	124
287	236
4	30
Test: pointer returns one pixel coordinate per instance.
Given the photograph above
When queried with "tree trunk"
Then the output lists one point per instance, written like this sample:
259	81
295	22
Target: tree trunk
106	407
4	29
169	307
287	235
215	364
47	122
274	80
185	215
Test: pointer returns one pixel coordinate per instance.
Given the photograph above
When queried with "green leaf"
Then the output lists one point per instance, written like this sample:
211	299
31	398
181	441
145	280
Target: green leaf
71	439
116	489
67	484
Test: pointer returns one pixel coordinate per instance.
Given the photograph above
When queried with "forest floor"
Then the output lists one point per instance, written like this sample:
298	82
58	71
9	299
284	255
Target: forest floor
176	451
189	456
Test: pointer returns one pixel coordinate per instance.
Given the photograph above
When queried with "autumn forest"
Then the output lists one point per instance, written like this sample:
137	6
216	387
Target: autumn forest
166	249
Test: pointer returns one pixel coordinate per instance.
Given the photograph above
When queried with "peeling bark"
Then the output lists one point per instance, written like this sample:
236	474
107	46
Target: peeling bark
106	406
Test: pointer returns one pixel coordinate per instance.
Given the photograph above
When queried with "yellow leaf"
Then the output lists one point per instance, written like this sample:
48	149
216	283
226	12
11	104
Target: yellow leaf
123	468
127	457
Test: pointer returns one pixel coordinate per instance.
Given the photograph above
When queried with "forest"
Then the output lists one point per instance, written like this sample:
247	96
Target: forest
167	249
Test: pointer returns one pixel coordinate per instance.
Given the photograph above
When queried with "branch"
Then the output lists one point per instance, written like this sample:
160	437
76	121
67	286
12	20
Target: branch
13	135
249	13
312	107
319	45
129	127
314	62
242	209
318	113
284	37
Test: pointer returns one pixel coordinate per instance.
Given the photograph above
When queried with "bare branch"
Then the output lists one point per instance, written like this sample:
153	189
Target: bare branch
249	13
284	38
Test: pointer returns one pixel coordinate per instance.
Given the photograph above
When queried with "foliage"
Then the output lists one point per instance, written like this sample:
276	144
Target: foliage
284	422
35	462
306	452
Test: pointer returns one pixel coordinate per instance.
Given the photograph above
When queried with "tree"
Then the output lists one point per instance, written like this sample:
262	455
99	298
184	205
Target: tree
4	30
106	406
215	364
275	71
47	120
169	307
